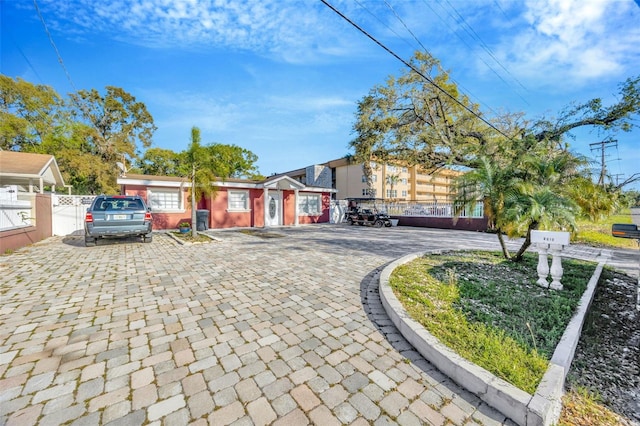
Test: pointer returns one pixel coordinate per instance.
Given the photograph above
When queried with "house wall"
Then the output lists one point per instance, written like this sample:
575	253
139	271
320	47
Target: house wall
288	207
162	219
323	218
13	239
219	217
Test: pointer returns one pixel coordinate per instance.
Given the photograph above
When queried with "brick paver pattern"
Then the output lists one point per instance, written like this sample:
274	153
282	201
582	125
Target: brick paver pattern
243	330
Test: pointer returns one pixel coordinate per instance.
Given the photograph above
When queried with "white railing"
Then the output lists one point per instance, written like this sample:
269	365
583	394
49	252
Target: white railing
15	214
434	209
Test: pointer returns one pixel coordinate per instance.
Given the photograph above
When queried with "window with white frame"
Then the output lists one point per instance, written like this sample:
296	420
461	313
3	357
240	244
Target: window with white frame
164	198
310	204
404	193
238	201
364	178
366	192
392	193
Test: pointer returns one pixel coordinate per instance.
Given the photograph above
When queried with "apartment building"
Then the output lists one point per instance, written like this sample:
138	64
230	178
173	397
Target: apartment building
389	182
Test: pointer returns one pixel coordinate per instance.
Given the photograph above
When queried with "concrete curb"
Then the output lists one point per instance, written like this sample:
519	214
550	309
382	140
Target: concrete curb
541	409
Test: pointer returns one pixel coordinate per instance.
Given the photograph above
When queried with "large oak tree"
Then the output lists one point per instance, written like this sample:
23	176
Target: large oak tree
523	170
88	132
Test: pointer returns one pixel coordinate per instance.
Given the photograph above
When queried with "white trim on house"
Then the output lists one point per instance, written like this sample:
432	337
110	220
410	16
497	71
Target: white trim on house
284	182
244	185
123	180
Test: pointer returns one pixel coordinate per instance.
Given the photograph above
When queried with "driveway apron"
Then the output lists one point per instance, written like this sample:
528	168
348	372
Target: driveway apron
246	329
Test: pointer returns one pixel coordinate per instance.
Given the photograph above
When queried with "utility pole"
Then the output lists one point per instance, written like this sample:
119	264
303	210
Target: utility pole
601	146
617	176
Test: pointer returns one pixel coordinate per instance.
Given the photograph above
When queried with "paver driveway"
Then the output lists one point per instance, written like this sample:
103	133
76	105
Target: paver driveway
245	330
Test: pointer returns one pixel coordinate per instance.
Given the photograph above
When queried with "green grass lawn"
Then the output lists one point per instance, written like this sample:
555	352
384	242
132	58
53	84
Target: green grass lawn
491	311
598	233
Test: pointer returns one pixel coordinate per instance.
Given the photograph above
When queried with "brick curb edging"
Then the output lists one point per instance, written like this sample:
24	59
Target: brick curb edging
541	409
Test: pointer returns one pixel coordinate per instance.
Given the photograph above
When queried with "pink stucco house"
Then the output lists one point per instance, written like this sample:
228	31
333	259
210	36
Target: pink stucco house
237	203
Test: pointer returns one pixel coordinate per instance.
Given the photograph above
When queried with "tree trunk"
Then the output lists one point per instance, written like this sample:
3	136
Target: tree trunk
505	251
526	244
194	220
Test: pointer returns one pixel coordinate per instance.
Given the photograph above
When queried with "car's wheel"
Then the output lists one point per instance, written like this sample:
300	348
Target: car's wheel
350	221
147	238
378	223
90	242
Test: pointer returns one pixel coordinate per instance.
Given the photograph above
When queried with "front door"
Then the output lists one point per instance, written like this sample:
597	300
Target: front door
274	209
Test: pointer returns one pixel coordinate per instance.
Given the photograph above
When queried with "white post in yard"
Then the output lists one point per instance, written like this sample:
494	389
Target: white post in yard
556	267
554	241
543	265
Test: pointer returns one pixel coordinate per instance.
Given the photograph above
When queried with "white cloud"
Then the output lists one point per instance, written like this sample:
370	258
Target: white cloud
293	31
573	42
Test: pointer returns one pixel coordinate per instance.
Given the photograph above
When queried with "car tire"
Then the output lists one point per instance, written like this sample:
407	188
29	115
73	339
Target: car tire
90	242
378	224
350	221
147	238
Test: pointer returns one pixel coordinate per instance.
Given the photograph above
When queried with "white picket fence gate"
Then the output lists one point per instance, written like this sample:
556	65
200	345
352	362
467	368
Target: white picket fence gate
68	213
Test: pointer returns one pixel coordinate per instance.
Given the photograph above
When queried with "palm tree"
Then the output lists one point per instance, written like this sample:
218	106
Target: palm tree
201	175
533	207
392	181
541	199
491	184
533	192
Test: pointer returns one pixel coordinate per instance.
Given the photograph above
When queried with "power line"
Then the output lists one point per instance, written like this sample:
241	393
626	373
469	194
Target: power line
29	64
46	29
484	46
414	69
443	20
384	23
406	27
425	49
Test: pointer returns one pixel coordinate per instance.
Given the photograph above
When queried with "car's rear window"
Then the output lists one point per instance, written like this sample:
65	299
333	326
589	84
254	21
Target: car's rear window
118	204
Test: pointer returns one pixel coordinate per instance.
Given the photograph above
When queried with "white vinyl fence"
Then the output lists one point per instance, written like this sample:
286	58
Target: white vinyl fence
69	212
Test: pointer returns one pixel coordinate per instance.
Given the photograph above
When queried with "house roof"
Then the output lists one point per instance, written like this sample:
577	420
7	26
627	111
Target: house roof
25	168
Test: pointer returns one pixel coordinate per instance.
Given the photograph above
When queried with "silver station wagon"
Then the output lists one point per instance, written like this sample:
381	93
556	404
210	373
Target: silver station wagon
117	216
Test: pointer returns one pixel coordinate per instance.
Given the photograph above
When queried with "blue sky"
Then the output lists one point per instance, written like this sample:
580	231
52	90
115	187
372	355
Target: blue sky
282	78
